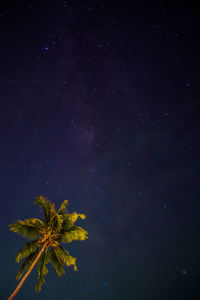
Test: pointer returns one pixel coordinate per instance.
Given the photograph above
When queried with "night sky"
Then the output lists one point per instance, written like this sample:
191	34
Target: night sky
98	105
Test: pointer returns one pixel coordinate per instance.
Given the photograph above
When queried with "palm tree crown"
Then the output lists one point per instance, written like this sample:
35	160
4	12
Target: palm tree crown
56	228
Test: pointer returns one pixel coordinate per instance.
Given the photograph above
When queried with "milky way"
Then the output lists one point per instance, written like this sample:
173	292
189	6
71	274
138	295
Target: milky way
98	105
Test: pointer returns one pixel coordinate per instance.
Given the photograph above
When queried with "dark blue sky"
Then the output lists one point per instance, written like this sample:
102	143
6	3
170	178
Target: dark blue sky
98	105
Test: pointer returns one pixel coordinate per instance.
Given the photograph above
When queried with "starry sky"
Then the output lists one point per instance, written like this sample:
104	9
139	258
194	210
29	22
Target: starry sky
98	105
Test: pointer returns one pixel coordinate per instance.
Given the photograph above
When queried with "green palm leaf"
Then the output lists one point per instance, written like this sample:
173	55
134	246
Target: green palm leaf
70	219
29	228
67	224
26	264
42	271
48	208
62	208
74	234
54	260
74	216
29	248
57	223
65	258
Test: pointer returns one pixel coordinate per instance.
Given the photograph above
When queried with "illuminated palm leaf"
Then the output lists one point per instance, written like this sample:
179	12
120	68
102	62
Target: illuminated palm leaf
58	221
64	257
42	271
62	208
70	219
48	208
26	264
74	234
54	260
29	228
29	248
74	216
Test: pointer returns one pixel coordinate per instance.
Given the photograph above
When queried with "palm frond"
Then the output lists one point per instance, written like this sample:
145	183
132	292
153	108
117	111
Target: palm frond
42	271
52	215
74	216
62	208
64	257
29	228
67	223
70	219
26	264
57	222
29	248
54	260
48	208
74	234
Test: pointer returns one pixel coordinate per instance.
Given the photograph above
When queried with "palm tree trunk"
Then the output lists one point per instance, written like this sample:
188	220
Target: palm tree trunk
27	273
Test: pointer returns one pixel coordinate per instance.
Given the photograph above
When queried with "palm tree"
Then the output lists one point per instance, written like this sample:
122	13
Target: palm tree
56	228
